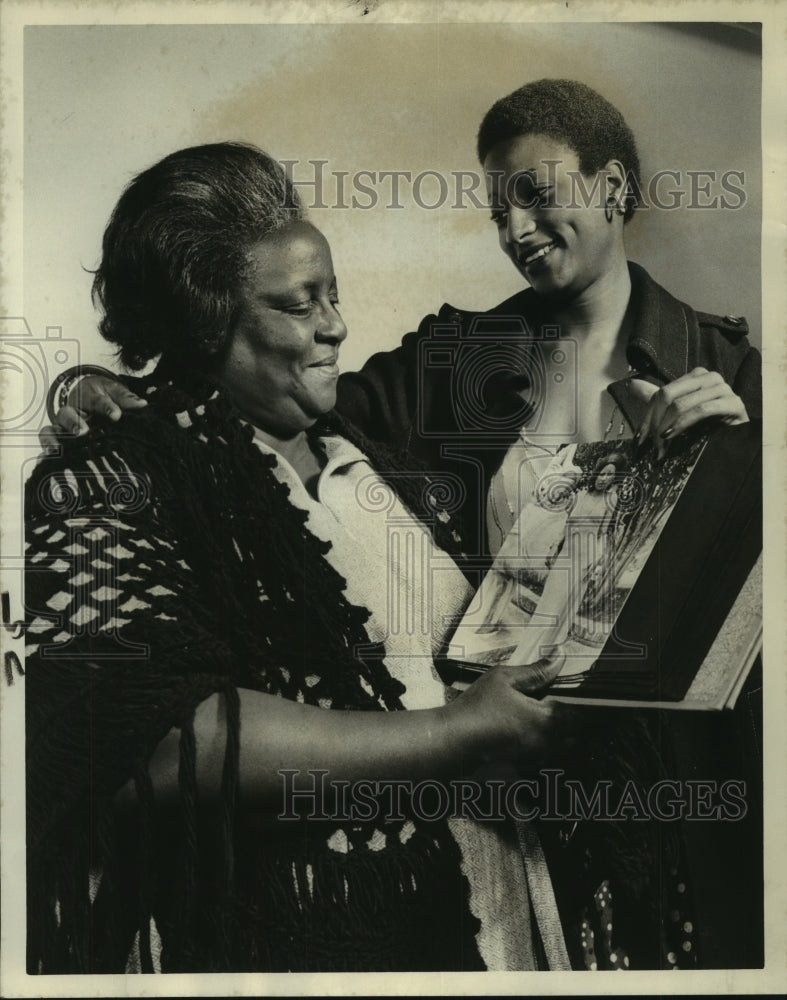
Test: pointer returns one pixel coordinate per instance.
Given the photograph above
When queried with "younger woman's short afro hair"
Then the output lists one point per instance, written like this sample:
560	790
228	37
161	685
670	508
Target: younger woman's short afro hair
573	113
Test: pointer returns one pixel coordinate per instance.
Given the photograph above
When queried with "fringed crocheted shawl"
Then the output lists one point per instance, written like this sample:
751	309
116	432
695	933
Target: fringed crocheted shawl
165	564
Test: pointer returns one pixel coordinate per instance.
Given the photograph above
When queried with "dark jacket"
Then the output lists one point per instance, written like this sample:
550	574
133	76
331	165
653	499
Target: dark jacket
452	392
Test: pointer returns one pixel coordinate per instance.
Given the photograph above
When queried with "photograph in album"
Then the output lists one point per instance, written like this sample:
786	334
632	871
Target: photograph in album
614	565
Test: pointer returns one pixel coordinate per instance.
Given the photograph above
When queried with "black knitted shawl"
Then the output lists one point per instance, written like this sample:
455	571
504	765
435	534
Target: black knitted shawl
165	563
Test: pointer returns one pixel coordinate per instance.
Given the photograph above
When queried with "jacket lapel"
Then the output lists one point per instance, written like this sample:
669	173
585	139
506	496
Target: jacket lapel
662	338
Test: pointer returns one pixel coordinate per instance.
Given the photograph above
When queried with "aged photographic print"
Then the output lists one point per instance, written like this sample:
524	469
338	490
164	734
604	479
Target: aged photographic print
391	399
581	574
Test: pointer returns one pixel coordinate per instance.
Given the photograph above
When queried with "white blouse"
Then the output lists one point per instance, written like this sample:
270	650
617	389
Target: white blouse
416	595
415	592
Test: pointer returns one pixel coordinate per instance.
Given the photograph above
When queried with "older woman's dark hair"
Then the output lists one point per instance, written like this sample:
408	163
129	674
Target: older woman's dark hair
176	247
574	114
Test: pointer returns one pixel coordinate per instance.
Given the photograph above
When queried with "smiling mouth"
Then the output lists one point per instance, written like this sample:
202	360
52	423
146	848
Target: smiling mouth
530	257
329	366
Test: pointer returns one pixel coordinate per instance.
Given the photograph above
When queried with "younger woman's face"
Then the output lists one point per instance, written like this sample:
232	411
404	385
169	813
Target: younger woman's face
550	217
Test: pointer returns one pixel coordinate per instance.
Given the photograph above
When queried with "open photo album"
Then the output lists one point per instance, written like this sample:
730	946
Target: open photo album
645	574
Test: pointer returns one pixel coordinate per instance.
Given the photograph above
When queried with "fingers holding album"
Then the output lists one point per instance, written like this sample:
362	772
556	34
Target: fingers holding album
504	715
535	678
697	396
712	398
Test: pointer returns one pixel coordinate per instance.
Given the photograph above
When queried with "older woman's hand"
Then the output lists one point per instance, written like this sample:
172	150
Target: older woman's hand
501	716
699	395
92	394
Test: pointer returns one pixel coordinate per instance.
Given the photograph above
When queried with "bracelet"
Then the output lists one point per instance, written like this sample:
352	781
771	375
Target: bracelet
59	390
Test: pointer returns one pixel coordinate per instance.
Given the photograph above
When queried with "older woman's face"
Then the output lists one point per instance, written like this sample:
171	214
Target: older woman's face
282	364
558	239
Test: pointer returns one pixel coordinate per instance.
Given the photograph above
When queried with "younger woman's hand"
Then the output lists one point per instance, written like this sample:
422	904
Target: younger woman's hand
694	397
92	394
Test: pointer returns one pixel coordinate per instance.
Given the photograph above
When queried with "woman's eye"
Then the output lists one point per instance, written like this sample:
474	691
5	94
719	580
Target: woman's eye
307	307
528	195
499	217
301	309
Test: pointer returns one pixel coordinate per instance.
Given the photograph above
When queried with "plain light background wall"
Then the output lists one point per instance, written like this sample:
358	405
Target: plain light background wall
102	103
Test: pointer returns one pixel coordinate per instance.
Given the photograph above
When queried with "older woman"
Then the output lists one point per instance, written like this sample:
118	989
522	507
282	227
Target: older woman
208	589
